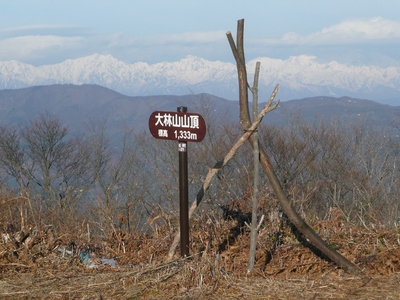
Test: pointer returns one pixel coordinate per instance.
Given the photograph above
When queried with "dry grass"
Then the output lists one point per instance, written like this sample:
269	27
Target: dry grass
285	268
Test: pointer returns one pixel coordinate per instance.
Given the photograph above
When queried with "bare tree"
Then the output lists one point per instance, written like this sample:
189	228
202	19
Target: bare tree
75	176
13	158
117	186
56	164
294	217
47	148
98	141
13	162
47	164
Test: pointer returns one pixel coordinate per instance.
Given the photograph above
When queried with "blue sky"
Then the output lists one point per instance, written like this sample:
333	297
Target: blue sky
46	32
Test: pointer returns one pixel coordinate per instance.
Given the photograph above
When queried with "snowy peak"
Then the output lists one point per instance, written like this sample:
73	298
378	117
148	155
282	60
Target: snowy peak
298	77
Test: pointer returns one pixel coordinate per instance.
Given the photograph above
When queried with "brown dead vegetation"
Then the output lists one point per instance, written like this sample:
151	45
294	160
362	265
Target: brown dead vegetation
37	264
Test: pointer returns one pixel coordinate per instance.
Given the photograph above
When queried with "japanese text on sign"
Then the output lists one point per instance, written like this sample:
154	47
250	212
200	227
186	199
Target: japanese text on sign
179	126
185	121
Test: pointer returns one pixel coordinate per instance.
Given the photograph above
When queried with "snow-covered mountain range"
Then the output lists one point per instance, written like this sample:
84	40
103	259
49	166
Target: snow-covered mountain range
298	77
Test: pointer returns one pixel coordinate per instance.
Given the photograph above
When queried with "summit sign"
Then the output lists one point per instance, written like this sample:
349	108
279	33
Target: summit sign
183	127
179	126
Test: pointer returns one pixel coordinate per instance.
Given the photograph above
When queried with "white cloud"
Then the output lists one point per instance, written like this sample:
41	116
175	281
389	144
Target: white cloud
359	31
20	29
29	47
119	39
195	37
347	32
44	30
45	44
170	47
27	44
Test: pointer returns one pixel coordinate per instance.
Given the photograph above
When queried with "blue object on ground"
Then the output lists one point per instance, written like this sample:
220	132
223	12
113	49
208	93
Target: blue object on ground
85	259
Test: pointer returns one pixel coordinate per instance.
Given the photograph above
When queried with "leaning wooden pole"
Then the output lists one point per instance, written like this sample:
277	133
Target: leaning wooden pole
293	216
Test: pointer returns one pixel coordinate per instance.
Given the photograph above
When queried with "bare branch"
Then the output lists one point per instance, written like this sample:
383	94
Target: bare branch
293	216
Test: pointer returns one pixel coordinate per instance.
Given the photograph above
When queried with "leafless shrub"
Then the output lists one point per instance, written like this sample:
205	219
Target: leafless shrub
326	165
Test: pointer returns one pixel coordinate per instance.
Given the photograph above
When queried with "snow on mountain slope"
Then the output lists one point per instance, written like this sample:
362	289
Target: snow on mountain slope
298	77
305	70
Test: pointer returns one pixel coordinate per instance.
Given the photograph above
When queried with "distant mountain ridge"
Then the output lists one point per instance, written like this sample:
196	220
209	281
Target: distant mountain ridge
298	77
76	104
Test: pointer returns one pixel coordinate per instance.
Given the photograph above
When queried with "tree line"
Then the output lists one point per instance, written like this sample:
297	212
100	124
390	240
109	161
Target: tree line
59	175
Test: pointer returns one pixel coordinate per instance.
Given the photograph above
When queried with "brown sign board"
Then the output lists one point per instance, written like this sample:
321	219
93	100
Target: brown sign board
179	126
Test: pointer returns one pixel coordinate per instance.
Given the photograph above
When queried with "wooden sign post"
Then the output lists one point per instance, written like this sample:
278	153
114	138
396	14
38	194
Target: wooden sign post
183	127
